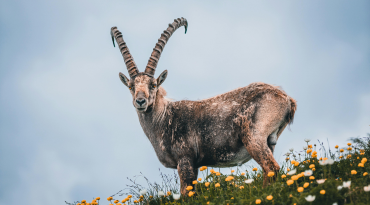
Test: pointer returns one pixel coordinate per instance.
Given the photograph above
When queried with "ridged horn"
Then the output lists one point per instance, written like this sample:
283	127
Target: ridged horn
157	50
129	60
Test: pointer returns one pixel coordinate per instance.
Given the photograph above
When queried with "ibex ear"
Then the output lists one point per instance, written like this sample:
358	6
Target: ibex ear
161	78
124	79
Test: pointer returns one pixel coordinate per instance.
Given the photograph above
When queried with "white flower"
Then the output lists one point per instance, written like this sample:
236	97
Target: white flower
320	181
367	188
330	161
308	173
292	172
339	187
160	193
248	181
347	184
323	163
143	192
291	149
176	196
307	140
335	203
305	147
310	198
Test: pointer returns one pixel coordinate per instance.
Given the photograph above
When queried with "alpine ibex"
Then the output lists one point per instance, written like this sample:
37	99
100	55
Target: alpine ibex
222	131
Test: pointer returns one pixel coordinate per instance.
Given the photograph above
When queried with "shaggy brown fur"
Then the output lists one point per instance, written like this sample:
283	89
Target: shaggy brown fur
223	131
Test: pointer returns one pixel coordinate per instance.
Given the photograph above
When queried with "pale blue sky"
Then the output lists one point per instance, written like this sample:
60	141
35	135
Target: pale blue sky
68	130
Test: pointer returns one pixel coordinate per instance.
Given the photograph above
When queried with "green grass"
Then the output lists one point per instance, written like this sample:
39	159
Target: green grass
237	191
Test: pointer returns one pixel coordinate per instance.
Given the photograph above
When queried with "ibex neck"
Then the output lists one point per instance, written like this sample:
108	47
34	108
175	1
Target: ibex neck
153	122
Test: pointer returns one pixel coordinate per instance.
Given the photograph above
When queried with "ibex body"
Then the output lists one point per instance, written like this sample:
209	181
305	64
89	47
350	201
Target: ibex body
223	131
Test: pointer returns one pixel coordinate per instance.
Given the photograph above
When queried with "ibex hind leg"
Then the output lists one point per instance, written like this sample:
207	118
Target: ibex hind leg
255	140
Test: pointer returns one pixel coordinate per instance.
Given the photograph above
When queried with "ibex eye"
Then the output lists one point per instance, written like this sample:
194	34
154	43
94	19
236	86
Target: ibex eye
154	86
130	88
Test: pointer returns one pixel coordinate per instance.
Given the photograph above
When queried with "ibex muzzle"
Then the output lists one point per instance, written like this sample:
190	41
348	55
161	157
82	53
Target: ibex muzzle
223	131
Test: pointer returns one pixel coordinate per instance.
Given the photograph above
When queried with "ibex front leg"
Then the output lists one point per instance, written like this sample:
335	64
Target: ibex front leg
187	173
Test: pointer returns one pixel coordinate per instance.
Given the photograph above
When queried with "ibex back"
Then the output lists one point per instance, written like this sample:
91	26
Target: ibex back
223	131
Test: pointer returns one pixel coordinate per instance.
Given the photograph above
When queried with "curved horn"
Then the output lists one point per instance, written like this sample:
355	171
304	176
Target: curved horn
157	50
129	60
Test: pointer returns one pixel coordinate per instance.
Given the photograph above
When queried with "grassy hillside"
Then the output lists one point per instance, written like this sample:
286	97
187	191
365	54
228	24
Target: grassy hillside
315	175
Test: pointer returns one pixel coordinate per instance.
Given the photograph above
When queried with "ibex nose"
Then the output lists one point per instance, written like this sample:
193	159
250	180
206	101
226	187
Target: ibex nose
140	101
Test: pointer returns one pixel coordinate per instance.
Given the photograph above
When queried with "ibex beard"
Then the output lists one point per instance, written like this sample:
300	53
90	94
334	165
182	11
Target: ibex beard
223	131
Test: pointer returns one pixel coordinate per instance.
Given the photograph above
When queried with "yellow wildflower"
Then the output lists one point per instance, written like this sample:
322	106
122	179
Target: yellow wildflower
254	169
300	189
353	172
241	187
232	171
322	192
349	144
269	197
217	185
212	171
293	161
365	173
195	182
296	164
313	169
191	193
283	176
258	201
242	174
270	174
309	151
168	193
206	184
305	185
312	177
294	177
288	169
310	146
361	165
109	198
311	166
341	150
340	157
290	182
189	188
199	179
349	148
336	146
363	160
218	174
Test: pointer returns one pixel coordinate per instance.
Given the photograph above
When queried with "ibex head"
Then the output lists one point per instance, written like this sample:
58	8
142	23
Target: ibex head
142	85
